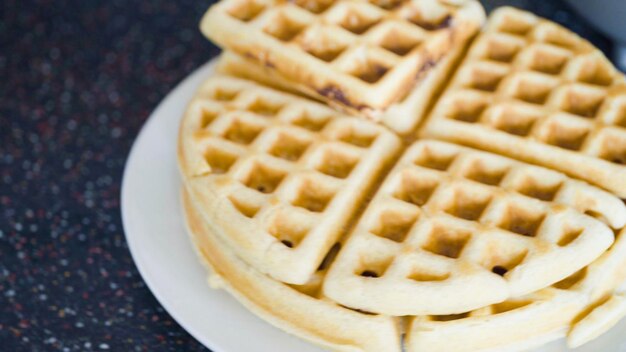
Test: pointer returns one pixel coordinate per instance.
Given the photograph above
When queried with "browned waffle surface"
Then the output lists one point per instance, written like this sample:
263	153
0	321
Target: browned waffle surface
280	176
535	91
360	55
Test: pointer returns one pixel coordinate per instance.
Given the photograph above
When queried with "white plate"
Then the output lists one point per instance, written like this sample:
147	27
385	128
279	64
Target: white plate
159	245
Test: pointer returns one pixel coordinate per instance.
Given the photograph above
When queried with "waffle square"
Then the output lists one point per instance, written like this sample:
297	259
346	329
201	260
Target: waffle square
280	176
361	56
535	91
454	229
301	310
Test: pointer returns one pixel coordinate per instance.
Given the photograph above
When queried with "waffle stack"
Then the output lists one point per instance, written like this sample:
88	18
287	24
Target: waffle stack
321	210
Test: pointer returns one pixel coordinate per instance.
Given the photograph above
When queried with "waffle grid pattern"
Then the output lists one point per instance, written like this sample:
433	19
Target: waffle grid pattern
455	216
460	247
282	162
534	81
402	117
298	309
371	48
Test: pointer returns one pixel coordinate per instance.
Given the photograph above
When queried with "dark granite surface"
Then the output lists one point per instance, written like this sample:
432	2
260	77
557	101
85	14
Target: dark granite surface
77	81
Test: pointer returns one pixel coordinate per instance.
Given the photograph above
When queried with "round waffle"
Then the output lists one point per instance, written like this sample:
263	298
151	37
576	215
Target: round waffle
335	229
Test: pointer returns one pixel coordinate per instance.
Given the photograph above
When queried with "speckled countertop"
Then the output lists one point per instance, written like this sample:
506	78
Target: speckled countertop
77	81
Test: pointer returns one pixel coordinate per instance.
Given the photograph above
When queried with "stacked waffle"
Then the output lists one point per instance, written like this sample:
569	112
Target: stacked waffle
311	199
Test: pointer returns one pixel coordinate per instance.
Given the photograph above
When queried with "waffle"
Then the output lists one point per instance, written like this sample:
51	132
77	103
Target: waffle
361	56
535	91
279	176
304	311
604	285
402	117
581	307
454	229
514	325
299	310
600	320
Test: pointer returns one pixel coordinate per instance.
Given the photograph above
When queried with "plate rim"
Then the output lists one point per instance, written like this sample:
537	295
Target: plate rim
227	315
125	195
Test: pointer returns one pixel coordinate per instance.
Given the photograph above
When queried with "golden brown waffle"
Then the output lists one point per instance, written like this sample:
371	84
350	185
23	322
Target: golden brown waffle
303	310
278	175
581	307
361	56
454	229
402	116
299	310
457	249
533	90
